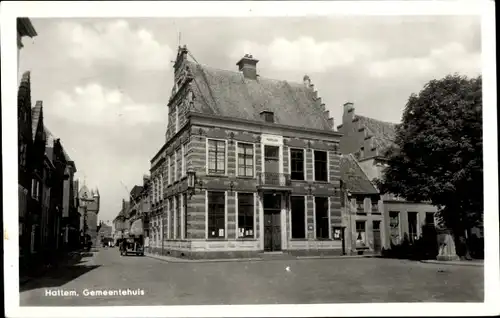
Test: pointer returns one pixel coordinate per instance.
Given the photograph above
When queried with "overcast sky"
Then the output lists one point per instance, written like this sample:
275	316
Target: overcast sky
105	83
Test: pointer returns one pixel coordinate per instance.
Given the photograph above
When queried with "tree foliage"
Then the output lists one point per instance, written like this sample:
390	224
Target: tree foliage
438	153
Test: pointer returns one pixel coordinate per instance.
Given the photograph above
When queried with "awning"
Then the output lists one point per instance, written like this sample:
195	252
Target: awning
136	228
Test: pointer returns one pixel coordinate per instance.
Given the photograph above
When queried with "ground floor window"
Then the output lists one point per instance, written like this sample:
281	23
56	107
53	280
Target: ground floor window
216	214
360	233
321	205
178	220
185	209
298	217
246	215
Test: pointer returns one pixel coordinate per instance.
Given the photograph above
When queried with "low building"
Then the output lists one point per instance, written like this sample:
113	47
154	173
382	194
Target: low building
368	139
121	223
249	165
361	209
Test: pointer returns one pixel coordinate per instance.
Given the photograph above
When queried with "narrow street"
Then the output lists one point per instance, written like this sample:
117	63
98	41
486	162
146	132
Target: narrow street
251	282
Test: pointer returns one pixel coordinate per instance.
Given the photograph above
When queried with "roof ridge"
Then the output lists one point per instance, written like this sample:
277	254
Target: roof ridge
259	77
378	120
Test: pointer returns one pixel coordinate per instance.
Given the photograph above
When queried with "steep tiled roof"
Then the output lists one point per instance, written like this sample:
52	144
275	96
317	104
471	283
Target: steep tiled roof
228	93
353	176
36	114
383	132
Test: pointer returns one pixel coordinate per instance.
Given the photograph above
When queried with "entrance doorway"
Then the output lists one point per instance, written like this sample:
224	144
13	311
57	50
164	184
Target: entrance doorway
272	222
377	242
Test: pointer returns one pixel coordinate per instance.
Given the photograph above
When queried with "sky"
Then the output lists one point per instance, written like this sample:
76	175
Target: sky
105	83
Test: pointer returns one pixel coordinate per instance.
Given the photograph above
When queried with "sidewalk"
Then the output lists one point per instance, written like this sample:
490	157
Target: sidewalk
479	263
170	259
42	269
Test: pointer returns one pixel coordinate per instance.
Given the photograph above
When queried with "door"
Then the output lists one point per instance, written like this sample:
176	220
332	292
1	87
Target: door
377	242
272	222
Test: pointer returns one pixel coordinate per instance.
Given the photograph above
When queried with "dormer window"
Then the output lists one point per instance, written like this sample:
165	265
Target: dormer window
267	116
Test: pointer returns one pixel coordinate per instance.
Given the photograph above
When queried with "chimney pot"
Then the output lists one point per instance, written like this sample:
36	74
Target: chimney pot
348	107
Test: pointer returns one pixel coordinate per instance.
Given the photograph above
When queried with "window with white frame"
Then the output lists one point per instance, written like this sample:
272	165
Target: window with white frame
183	155
320	165
216	214
245	159
321	217
178	219
172	164
246	213
178	163
175	165
297	164
176	118
360	233
216	156
168	171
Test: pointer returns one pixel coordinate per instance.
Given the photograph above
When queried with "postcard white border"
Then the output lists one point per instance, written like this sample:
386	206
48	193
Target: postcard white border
11	10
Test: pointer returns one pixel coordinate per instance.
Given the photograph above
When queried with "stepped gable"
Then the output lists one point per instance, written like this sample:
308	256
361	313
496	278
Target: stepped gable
232	94
383	133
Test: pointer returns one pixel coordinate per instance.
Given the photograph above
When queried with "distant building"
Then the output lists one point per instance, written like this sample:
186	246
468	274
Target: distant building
250	165
105	232
121	223
367	139
89	204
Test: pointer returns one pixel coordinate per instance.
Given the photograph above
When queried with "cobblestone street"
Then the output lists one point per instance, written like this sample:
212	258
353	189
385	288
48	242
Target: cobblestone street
310	281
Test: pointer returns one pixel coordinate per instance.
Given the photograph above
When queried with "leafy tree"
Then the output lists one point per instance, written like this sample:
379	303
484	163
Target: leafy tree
438	151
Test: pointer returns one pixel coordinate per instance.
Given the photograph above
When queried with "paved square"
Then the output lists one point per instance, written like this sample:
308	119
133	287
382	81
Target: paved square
353	280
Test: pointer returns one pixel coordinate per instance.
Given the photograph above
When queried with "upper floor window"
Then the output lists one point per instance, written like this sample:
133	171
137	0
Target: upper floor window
172	166
176	118
320	165
216	156
245	160
183	162
168	170
178	164
297	164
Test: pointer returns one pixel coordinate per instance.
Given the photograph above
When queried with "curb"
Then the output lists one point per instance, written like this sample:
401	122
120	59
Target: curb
457	263
180	260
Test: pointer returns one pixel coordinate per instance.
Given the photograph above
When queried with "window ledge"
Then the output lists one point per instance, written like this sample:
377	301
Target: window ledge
217	240
321	181
217	175
299	239
246	177
247	239
324	239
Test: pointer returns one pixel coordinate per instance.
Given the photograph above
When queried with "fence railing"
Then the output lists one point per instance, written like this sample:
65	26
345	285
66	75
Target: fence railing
274	179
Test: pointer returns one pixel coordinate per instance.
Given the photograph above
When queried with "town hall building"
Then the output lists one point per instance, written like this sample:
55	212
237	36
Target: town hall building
250	166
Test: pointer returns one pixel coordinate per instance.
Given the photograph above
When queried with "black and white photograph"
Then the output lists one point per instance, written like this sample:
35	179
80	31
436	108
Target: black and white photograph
267	158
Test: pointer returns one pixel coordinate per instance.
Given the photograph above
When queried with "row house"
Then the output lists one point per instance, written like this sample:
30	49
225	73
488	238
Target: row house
249	165
121	223
368	139
361	209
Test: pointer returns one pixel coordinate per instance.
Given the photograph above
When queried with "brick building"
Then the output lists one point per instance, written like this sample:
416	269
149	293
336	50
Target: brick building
249	165
362	209
368	139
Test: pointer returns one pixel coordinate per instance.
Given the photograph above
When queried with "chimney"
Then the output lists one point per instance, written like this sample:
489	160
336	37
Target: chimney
248	65
348	107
